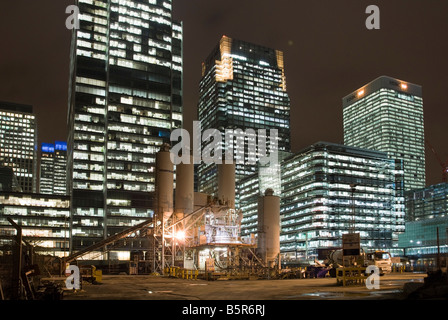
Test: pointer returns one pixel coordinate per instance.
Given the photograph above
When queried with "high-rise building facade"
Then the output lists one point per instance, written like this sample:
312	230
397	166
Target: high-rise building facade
18	143
46	177
60	168
243	86
387	115
330	189
53	168
125	99
427	203
44	219
419	242
251	188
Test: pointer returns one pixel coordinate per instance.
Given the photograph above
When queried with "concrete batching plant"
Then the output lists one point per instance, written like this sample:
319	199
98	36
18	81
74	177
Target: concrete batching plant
204	233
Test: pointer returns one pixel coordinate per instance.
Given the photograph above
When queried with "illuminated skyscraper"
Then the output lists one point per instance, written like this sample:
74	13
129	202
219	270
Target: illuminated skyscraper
329	190
125	98
60	168
18	143
387	115
243	86
46	177
44	219
53	168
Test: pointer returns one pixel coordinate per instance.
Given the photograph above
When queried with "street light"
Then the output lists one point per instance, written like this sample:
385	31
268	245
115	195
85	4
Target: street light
180	235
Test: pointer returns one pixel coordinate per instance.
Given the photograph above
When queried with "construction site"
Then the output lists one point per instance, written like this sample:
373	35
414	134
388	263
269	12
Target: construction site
193	237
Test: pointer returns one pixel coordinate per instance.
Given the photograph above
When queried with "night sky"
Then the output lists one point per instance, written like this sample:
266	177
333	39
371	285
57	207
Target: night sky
328	54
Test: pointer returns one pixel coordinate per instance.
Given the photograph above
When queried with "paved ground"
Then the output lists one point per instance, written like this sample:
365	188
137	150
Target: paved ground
164	288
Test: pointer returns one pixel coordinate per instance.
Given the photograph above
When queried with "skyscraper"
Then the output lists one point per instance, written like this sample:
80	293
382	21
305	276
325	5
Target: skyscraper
243	86
18	143
330	189
125	98
387	115
60	168
46	177
44	219
53	168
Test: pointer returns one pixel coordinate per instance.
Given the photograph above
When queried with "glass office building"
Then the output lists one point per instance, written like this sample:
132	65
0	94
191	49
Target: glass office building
53	168
46	168
125	99
44	220
426	211
387	115
249	189
427	203
60	168
420	239
18	143
243	86
330	189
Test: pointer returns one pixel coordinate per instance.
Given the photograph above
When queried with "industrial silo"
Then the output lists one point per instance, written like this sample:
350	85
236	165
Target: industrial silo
269	228
164	183
226	184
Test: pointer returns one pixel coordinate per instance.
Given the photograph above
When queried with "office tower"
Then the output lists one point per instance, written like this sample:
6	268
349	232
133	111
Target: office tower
249	191
44	220
251	188
18	142
46	177
330	189
243	86
419	241
53	168
60	168
427	203
387	115
125	99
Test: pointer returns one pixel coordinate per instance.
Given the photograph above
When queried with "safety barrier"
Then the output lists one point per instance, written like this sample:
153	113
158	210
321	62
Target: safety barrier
181	273
399	269
351	275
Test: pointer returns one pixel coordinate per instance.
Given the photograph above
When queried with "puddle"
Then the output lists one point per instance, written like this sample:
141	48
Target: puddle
311	294
318	295
385	292
152	292
343	295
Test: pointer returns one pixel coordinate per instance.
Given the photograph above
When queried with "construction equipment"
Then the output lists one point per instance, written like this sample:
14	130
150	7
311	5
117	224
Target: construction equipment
106	241
444	165
91	274
381	259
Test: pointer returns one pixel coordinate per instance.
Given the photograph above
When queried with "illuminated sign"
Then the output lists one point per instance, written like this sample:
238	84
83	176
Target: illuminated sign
60	145
47	147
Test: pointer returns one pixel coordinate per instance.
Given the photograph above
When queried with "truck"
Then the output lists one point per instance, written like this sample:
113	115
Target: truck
379	258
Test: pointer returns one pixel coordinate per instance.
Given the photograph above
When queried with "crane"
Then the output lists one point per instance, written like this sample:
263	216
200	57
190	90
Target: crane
444	165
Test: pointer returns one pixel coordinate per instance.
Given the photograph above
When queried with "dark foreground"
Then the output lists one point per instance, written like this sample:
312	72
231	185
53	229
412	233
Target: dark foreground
163	288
